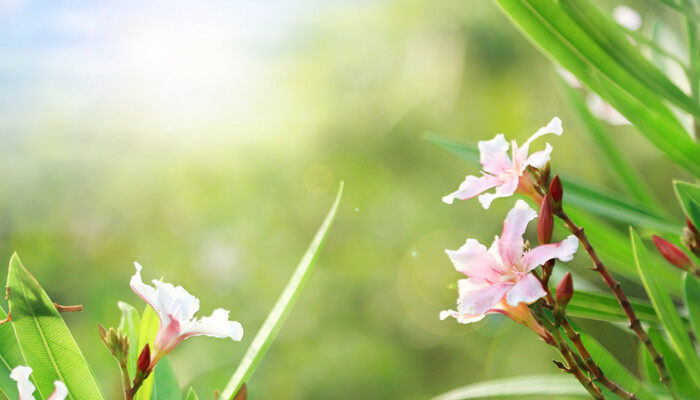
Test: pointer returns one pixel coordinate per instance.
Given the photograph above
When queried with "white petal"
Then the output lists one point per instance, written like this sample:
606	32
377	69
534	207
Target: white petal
627	17
563	250
144	291
176	301
25	388
473	260
493	155
539	158
504	190
60	393
216	325
461	318
471	187
527	290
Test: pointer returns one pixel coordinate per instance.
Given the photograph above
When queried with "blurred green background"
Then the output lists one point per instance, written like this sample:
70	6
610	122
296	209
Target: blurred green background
206	141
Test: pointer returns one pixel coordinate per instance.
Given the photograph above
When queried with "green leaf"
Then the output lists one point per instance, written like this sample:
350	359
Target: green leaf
605	307
147	335
614	370
46	343
192	395
618	164
665	309
274	321
611	37
535	385
584	195
130	324
10	357
679	376
689	196
692	301
165	383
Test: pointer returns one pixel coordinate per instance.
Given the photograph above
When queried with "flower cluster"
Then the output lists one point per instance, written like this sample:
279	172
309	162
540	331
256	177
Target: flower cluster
500	279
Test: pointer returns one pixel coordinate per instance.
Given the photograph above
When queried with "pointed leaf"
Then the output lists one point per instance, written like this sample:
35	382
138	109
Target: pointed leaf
165	385
541	386
274	321
192	395
689	196
665	309
46	343
147	334
604	307
692	301
10	357
679	376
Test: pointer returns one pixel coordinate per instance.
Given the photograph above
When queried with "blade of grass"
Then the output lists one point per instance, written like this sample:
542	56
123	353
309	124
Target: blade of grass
537	385
274	321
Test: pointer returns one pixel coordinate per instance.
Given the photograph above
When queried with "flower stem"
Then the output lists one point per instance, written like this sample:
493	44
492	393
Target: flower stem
634	322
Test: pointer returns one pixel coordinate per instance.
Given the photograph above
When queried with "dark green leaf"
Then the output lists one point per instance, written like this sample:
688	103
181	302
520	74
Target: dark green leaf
679	377
692	301
46	343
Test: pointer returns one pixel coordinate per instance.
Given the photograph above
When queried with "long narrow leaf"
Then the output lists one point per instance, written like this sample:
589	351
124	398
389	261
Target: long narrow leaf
665	309
165	385
541	386
604	307
267	333
46	343
679	376
692	301
147	335
689	196
130	324
191	395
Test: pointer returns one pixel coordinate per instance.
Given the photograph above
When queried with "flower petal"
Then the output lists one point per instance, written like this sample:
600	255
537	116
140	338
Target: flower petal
477	296
473	260
493	155
461	318
25	387
471	187
60	393
144	291
563	250
506	189
538	159
511	241
527	290
554	126
216	325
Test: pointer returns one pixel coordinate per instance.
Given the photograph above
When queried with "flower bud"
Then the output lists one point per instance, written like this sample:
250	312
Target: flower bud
103	333
565	290
672	253
545	222
144	359
556	190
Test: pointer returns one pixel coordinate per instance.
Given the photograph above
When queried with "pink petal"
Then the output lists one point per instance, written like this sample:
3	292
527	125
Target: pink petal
461	318
527	290
563	250
554	126
494	155
477	296
506	189
471	187
511	241
538	159
473	260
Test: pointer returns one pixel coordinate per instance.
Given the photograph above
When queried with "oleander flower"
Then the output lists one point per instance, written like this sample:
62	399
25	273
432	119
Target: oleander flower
176	309
504	173
26	389
499	279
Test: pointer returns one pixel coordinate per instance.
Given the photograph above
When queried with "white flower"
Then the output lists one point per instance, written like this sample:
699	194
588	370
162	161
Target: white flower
176	308
627	17
26	388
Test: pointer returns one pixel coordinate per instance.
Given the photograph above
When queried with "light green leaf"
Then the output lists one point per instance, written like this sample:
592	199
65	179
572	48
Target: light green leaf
618	164
689	196
165	383
274	321
692	301
130	324
535	385
584	195
681	8
147	334
679	376
10	357
46	343
192	395
605	307
665	309
614	41
614	370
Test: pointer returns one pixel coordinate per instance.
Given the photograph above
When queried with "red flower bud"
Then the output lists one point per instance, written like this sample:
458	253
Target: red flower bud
672	253
144	359
545	222
565	290
555	190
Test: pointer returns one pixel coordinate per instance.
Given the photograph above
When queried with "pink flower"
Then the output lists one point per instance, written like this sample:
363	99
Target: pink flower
176	308
499	279
26	388
502	172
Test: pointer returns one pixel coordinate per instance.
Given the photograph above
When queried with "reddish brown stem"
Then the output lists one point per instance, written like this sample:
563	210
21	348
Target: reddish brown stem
615	287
